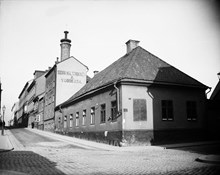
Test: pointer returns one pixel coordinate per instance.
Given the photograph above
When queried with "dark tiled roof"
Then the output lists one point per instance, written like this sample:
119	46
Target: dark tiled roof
139	64
216	93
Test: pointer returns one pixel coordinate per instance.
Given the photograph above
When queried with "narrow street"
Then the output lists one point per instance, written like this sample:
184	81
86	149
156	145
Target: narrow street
43	155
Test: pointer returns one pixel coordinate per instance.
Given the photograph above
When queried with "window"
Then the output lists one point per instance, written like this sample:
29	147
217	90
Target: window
65	122
167	110
113	110
71	120
92	117
84	117
77	118
191	110
103	113
139	110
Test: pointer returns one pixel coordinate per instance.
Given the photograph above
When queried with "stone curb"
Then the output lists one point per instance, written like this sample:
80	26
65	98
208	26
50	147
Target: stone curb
215	159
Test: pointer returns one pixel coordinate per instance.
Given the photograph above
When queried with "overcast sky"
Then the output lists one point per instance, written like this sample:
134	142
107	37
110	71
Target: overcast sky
184	33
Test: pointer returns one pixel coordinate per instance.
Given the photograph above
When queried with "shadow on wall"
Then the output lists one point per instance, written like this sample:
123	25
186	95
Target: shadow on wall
27	162
179	129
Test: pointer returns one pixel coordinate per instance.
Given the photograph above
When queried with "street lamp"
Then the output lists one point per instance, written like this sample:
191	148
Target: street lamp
3	122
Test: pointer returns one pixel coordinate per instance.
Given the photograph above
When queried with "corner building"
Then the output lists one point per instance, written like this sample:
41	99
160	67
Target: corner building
138	99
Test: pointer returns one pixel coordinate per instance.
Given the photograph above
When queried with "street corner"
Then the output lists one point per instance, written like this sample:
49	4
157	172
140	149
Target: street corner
215	159
5	144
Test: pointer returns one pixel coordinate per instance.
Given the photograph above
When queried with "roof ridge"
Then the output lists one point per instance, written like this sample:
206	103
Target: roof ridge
132	58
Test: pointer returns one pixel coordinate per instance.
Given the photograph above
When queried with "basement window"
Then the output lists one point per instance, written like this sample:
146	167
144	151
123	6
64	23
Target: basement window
191	110
167	110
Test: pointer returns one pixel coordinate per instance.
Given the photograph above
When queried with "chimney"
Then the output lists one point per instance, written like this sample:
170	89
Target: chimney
131	44
38	73
65	47
95	72
57	61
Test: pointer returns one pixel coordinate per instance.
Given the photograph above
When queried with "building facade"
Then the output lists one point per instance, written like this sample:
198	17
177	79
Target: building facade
65	78
22	113
139	99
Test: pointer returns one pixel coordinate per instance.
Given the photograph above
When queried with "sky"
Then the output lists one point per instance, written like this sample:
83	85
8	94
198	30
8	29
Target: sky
184	33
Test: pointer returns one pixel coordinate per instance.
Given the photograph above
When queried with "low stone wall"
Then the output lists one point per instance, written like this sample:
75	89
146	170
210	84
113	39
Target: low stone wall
110	137
138	137
179	136
142	137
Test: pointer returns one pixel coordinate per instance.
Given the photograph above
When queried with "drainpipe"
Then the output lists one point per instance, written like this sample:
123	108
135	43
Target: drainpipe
117	96
209	89
123	141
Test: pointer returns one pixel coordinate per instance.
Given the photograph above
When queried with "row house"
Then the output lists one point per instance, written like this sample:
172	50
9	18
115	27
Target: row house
138	99
35	91
22	113
51	88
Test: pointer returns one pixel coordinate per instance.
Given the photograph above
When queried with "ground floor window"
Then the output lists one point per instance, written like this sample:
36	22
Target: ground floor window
167	109
71	120
77	118
139	110
191	110
103	115
84	117
113	110
92	116
65	122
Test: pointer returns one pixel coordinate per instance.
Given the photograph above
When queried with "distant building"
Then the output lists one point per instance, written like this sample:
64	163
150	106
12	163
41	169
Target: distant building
65	78
35	92
22	113
14	111
138	99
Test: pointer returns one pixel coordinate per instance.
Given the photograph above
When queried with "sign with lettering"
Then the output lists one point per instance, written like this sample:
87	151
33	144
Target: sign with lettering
71	76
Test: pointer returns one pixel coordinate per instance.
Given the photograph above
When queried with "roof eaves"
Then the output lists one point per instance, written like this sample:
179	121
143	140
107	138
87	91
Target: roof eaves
47	74
132	80
69	101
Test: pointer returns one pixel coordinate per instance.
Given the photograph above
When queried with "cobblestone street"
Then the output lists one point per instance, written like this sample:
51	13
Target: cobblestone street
57	157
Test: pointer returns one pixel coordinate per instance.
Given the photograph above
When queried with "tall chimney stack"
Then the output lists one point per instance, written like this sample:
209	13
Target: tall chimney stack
65	47
131	44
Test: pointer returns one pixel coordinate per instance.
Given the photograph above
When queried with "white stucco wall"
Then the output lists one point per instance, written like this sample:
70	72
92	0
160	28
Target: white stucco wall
70	77
130	92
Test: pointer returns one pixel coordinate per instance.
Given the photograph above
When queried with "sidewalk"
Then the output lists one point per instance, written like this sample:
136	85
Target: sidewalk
5	144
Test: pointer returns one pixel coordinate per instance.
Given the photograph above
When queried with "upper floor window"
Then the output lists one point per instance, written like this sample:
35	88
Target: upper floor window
92	116
191	110
103	116
167	109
